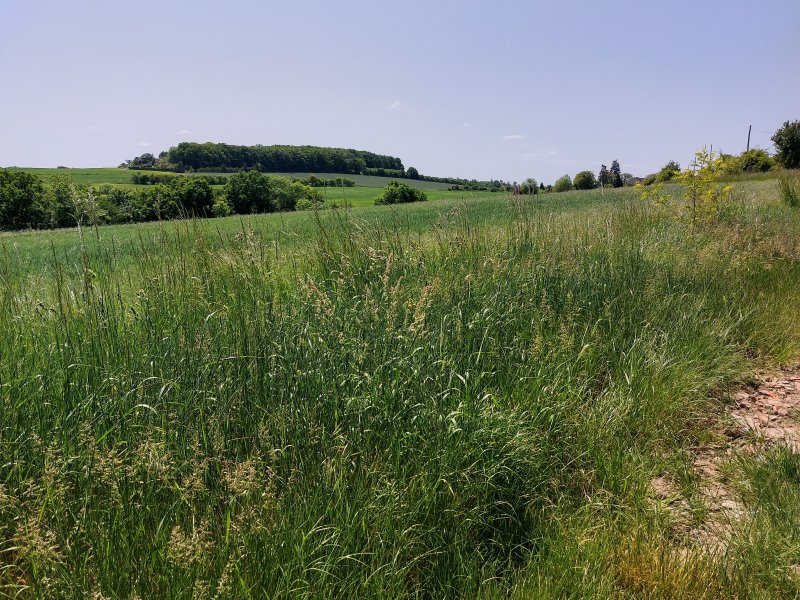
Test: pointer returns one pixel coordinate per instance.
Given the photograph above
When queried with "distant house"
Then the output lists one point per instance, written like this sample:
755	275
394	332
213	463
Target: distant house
633	180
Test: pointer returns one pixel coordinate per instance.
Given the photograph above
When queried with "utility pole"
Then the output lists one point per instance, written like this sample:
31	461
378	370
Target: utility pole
748	137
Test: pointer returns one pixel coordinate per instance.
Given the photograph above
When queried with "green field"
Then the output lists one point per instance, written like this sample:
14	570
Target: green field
464	398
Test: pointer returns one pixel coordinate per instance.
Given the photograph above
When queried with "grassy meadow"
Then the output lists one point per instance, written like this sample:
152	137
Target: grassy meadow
464	398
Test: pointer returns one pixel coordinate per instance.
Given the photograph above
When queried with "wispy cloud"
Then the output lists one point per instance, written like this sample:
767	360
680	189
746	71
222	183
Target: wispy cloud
512	136
94	128
183	132
540	154
466	125
144	144
395	104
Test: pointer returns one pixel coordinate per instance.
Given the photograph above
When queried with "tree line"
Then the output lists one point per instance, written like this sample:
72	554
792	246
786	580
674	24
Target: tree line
219	157
28	201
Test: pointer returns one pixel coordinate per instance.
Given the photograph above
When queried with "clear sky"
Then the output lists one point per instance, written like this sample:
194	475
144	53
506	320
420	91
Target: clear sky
487	89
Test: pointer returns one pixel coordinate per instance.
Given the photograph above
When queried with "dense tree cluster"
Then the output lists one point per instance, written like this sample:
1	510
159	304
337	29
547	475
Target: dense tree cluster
28	201
315	181
144	178
193	156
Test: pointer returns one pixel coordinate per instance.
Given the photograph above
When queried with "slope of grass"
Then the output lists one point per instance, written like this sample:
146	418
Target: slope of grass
454	399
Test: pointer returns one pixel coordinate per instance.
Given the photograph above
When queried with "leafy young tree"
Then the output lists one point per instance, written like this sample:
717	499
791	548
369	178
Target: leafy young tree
787	143
563	184
703	196
412	173
616	174
584	181
603	178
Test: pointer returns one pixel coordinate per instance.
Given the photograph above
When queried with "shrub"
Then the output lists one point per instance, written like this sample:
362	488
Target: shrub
562	184
650	179
310	204
585	180
755	161
667	172
400	193
221	208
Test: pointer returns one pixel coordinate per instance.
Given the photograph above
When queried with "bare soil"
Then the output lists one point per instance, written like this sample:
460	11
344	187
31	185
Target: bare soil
762	415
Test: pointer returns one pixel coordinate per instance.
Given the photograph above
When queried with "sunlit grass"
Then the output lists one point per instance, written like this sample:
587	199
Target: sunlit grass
460	399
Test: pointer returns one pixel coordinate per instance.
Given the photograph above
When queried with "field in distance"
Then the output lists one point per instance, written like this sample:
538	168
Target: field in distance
366	189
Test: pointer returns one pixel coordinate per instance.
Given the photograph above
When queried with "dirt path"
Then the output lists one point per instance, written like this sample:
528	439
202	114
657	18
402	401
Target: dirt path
762	416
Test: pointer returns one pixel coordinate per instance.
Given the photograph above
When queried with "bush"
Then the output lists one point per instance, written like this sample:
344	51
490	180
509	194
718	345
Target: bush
221	208
400	193
667	172
562	184
309	204
650	179
585	180
755	161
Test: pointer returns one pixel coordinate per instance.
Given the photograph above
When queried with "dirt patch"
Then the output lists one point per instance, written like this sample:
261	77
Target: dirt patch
761	416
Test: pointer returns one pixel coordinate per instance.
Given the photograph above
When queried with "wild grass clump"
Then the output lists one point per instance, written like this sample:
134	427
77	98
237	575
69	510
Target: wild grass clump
386	409
789	186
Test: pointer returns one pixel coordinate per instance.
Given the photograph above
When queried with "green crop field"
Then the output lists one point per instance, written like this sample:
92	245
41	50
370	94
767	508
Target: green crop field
467	397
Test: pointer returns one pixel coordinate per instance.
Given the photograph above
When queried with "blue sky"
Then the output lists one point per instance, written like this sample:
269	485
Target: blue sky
502	89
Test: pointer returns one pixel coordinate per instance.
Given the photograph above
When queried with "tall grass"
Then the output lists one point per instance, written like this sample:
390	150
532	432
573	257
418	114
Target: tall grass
380	410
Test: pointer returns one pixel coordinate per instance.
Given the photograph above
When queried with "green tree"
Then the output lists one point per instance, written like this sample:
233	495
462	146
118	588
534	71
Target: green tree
603	178
412	173
787	144
61	201
616	174
529	187
194	195
249	192
22	200
585	181
285	193
145	161
562	184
